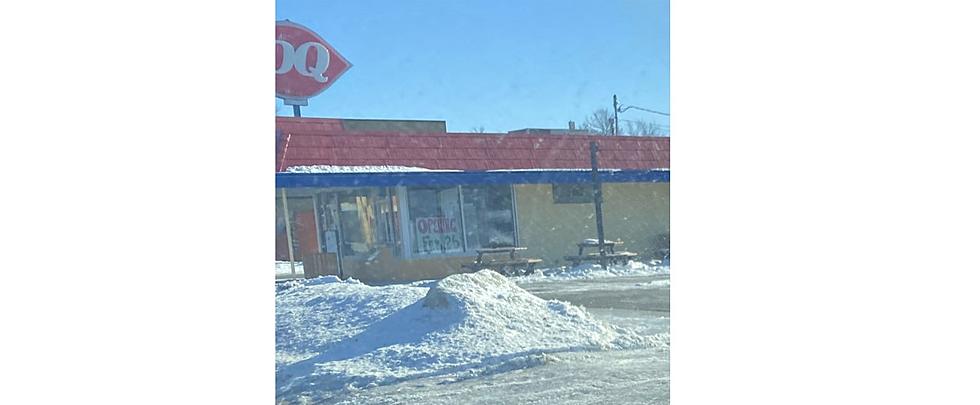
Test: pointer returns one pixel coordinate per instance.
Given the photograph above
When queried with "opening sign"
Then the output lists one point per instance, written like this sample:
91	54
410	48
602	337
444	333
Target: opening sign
438	235
305	64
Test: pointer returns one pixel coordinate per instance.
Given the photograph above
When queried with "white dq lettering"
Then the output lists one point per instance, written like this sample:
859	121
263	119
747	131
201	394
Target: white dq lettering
296	58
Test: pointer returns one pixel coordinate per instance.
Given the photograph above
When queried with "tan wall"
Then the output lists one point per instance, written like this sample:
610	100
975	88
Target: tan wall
388	268
633	212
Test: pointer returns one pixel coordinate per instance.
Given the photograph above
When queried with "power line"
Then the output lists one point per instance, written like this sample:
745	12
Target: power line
623	109
648	122
617	108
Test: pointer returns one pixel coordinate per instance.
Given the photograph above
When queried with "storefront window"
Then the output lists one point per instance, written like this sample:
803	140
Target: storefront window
435	218
357	222
393	223
384	230
489	216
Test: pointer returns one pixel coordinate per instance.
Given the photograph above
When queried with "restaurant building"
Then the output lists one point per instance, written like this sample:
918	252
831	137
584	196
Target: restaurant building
388	201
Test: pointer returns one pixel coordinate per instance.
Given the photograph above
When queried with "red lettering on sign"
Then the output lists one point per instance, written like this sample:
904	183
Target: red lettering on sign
437	225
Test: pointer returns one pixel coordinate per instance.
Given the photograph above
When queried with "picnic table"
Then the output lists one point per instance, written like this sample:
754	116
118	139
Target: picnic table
610	248
489	258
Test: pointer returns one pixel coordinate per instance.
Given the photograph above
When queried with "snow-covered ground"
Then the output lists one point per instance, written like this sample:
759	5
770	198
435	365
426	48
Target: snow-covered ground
595	271
575	335
283	271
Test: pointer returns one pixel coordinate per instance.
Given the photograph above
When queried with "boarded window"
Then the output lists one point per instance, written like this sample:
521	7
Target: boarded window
572	193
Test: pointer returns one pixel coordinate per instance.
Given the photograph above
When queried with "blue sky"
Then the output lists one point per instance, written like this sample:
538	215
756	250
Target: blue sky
500	65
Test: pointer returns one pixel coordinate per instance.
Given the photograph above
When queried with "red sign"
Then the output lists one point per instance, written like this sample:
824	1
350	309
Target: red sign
305	64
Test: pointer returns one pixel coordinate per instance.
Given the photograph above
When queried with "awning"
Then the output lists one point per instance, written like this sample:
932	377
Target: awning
437	178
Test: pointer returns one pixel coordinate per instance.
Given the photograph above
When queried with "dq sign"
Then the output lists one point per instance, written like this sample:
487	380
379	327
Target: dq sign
305	64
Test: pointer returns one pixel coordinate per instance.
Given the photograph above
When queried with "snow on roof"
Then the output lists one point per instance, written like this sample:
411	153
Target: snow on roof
552	170
360	169
407	169
352	169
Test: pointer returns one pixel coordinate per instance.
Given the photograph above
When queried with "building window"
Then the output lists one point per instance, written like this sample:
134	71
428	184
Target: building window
387	212
488	216
434	215
357	223
572	193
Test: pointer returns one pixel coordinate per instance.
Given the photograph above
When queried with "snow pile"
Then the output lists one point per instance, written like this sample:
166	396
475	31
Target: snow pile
283	269
359	169
655	283
333	336
596	241
593	271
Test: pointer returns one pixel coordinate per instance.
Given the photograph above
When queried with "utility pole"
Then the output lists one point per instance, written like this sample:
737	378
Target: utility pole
597	197
618	108
615	115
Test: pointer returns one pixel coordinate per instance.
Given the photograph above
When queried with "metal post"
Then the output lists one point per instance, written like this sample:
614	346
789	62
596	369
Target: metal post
340	234
597	194
462	218
296	110
615	116
289	233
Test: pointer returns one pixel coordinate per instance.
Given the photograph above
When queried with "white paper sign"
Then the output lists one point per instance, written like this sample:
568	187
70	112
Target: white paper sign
330	242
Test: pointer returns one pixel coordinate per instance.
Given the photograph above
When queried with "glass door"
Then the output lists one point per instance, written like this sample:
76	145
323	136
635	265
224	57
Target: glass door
358	224
328	231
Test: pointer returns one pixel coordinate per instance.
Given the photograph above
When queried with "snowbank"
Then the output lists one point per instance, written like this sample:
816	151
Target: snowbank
283	269
655	283
341	335
596	241
594	271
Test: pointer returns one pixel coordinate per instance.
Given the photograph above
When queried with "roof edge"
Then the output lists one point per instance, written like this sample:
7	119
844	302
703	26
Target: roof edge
320	180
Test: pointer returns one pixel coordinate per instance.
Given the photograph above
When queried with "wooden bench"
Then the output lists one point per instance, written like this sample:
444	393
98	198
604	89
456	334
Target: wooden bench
618	257
610	248
512	264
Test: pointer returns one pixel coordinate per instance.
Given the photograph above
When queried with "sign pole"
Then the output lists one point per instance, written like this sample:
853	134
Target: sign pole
597	194
289	233
296	110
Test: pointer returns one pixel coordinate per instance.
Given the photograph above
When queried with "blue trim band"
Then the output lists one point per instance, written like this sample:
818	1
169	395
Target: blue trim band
296	180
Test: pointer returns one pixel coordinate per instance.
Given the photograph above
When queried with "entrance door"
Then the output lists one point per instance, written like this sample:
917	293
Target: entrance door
358	227
349	227
328	227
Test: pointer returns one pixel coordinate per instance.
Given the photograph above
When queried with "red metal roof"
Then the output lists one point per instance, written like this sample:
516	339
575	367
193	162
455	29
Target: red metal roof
323	141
